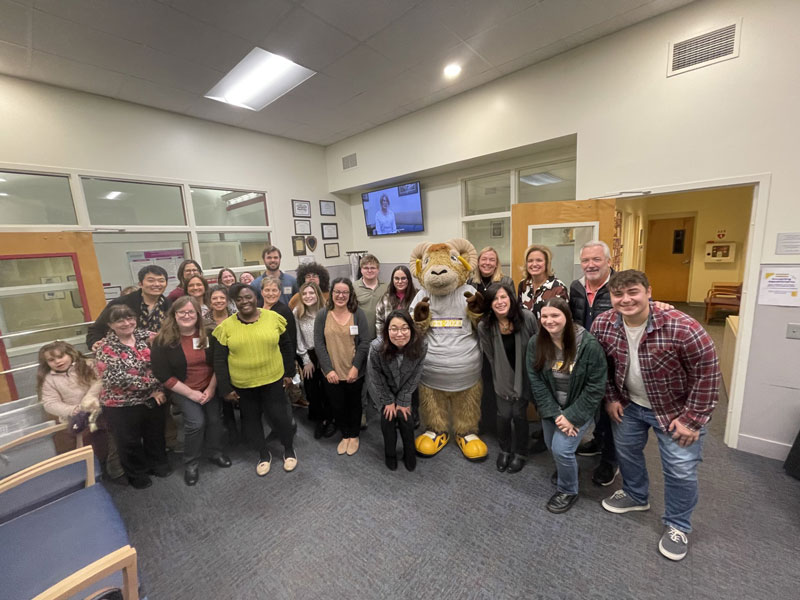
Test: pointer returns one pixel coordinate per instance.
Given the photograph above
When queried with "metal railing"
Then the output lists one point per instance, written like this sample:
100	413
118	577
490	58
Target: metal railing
34	365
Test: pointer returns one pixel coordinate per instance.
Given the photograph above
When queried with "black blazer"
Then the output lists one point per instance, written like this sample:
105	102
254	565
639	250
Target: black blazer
170	361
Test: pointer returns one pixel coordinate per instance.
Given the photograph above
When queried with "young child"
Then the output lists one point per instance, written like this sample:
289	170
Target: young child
67	385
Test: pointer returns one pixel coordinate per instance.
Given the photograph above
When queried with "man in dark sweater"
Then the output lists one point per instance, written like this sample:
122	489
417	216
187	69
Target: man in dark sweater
588	297
148	304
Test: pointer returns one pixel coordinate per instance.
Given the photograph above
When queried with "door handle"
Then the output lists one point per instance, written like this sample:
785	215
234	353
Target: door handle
685	262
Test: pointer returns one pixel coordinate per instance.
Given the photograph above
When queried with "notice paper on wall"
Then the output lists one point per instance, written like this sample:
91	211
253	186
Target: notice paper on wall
169	259
779	285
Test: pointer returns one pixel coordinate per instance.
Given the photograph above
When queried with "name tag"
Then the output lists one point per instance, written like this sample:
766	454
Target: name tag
287	290
196	344
447	323
353	329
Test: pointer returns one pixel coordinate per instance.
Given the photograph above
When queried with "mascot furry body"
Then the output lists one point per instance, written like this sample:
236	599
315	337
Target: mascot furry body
447	311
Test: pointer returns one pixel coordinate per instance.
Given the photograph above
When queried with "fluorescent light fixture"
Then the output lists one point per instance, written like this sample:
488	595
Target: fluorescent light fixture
540	179
259	79
113	195
452	70
3	194
2	180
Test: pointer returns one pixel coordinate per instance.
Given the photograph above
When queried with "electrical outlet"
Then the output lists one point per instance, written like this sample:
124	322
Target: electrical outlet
793	331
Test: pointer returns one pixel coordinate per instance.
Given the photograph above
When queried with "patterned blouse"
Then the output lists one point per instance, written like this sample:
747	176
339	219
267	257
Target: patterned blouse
534	299
127	377
150	320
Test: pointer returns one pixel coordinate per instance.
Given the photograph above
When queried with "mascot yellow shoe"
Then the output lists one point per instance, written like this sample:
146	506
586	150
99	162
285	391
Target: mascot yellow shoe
472	447
430	443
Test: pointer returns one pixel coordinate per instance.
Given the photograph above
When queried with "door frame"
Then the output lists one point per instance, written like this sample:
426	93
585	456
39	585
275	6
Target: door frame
761	183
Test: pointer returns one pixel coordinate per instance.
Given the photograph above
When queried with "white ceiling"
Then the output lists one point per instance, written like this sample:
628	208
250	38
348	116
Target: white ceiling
376	59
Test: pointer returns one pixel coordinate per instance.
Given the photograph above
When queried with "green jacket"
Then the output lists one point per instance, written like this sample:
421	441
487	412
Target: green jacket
587	383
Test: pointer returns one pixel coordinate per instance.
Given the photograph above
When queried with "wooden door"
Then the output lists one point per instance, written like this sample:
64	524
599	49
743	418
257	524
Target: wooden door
668	257
545	213
47	281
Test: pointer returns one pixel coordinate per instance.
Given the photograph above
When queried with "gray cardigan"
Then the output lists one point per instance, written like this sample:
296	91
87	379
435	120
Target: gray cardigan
361	340
509	382
393	381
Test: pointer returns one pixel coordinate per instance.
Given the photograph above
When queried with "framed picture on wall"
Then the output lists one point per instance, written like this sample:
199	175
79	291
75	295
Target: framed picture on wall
301	208
327	208
332	250
330	231
298	245
496	229
302	227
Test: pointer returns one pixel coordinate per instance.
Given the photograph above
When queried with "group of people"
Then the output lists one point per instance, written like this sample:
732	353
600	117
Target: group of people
599	352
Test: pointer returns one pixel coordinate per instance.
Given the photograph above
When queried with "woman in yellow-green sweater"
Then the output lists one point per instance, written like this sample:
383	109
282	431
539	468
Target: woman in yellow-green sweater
252	356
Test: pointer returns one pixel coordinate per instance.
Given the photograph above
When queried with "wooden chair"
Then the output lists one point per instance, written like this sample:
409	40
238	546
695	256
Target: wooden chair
723	295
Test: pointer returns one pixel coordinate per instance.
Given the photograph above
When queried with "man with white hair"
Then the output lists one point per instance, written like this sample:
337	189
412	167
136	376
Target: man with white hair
588	297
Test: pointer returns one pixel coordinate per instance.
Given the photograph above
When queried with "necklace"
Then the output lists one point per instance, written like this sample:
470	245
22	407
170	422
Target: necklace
506	327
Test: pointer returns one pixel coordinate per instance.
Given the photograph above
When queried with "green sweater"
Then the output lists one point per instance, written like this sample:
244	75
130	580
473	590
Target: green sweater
587	383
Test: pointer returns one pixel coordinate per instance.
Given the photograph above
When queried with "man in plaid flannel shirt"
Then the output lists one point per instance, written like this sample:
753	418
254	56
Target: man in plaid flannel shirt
670	384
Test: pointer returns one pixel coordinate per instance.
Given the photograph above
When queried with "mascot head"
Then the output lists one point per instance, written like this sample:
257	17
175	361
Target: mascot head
442	268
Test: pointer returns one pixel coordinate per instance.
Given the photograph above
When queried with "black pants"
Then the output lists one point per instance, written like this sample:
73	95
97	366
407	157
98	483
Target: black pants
604	436
389	429
271	401
512	410
488	401
346	403
319	408
139	434
202	423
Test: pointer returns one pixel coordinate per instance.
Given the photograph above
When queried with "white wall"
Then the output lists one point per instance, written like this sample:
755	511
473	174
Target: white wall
638	129
49	127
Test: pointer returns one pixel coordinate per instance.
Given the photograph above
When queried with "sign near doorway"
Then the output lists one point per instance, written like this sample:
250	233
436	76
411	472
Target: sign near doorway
721	233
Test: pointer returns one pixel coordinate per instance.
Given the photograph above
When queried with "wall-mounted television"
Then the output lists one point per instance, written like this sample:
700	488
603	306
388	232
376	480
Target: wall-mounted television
393	210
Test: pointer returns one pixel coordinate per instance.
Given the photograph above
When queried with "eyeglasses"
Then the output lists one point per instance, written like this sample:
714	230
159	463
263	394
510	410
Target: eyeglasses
400	330
340	293
186	313
400	279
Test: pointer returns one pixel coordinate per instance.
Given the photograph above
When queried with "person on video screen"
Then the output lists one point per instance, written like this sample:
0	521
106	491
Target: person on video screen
384	219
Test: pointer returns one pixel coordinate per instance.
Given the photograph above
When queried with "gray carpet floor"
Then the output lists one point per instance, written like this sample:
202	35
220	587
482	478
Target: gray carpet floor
347	527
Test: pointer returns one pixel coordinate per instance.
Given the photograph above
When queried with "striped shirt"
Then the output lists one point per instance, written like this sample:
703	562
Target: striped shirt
678	361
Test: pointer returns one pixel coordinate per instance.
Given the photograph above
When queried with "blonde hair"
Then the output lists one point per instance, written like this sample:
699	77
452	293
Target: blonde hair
85	372
301	309
548	259
498	272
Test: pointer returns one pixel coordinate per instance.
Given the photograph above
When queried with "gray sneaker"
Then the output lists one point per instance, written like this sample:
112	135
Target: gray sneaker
673	544
619	502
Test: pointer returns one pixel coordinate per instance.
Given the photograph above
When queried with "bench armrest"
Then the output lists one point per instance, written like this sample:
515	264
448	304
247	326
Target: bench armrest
84	454
123	559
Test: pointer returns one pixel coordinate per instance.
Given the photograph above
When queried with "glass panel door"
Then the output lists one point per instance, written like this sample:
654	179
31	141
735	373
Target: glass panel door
565	241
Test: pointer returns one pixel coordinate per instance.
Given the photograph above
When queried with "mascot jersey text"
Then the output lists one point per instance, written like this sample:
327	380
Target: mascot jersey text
447	311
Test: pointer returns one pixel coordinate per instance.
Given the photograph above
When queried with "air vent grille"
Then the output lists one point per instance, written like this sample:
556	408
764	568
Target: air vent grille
349	162
705	49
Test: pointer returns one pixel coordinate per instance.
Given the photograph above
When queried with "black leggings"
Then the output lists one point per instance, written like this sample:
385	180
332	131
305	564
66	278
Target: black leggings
389	429
269	400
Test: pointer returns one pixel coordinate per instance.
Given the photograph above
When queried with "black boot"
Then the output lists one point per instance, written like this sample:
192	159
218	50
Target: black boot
191	474
502	461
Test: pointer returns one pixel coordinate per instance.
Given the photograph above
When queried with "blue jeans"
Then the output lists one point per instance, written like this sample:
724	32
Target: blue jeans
679	465
563	449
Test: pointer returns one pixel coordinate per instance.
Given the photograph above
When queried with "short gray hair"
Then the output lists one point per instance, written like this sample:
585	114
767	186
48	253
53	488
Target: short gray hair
595	243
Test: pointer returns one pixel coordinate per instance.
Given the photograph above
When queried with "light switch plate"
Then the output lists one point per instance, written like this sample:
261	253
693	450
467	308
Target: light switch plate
793	331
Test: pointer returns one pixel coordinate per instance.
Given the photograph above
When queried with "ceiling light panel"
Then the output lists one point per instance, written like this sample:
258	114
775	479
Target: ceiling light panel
258	80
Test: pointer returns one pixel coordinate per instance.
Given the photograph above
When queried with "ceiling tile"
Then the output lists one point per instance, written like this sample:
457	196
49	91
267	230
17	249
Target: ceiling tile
357	18
431	74
531	58
413	38
307	40
249	19
155	95
267	123
362	66
150	64
466	18
14	23
332	92
13	60
211	110
61	71
300	110
308	133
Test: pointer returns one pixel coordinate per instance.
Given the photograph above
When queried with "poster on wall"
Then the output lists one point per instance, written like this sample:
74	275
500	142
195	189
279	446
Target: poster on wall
779	285
168	259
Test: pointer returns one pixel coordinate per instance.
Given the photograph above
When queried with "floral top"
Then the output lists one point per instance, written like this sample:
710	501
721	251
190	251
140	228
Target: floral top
127	377
150	320
534	299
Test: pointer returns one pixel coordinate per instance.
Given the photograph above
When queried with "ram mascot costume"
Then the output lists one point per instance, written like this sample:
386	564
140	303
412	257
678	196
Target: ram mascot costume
447	312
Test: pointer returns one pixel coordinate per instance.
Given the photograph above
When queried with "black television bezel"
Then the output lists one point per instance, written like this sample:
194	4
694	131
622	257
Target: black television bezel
381	189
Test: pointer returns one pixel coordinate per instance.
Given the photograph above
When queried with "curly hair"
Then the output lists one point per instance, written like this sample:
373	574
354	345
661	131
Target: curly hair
318	270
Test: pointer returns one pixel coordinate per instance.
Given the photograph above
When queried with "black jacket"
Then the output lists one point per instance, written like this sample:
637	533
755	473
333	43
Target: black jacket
170	361
582	313
99	328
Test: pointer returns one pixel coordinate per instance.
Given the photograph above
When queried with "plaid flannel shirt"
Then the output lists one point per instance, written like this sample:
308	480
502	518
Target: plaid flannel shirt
679	365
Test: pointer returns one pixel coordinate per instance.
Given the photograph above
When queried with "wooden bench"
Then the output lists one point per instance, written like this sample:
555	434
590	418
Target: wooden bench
723	296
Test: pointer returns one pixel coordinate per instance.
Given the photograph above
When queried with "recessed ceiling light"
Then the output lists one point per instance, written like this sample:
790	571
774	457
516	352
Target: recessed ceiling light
452	70
540	179
259	79
113	195
3	194
2	180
